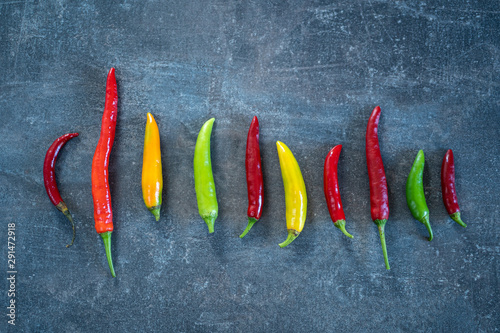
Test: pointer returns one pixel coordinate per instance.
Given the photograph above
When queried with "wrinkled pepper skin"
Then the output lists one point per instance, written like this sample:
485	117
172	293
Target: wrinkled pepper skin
448	188
49	177
379	195
152	178
415	197
295	193
331	189
103	213
203	177
255	183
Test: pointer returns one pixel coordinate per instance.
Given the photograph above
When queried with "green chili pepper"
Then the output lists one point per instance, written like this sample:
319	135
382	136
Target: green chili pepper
203	178
415	192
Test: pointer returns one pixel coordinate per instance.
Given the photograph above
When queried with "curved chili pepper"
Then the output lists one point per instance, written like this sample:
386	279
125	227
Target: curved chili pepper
49	178
379	198
448	188
203	177
152	180
255	183
103	214
331	189
415	197
295	193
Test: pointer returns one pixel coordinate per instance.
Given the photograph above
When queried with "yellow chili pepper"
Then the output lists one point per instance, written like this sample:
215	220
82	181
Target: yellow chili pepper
152	180
295	193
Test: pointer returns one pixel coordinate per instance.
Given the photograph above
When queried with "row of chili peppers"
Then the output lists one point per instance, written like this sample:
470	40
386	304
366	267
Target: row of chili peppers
294	186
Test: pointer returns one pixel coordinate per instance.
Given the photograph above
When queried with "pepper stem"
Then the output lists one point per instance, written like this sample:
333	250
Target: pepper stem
428	226
155	210
341	225
210	220
292	234
251	222
64	209
381	230
106	237
456	217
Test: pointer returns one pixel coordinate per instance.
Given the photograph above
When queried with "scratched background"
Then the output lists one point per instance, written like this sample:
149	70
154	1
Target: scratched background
312	72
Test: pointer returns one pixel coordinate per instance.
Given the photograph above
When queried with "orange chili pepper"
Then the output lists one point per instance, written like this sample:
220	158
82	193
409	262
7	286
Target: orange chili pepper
152	180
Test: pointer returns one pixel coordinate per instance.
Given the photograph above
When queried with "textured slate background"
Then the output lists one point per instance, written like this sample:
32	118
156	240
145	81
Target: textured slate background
312	72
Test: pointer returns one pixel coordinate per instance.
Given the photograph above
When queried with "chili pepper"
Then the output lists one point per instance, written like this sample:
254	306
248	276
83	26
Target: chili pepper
152	180
331	189
103	214
49	178
379	198
448	188
255	184
203	177
415	197
295	193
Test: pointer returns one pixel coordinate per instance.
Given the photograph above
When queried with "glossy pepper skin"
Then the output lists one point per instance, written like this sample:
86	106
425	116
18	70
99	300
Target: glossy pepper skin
255	183
331	189
152	179
379	197
448	188
103	214
295	193
415	197
203	177
49	177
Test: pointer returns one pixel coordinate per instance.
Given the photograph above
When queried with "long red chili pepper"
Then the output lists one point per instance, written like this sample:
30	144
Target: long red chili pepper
448	188
379	198
331	188
255	184
103	215
49	177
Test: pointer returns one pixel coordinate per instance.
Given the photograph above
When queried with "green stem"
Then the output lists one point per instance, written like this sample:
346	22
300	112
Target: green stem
156	212
106	237
428	226
251	222
64	209
341	225
68	215
210	220
456	217
381	230
292	234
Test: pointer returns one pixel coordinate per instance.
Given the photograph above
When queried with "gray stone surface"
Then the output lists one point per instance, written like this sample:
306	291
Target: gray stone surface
312	72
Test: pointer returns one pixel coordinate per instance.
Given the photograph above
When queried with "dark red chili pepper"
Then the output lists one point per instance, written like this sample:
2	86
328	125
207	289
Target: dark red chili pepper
331	188
49	177
379	198
103	214
448	188
255	184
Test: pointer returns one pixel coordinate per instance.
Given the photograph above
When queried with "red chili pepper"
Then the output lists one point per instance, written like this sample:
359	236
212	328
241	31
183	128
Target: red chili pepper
379	198
49	177
255	183
331	188
103	215
448	188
